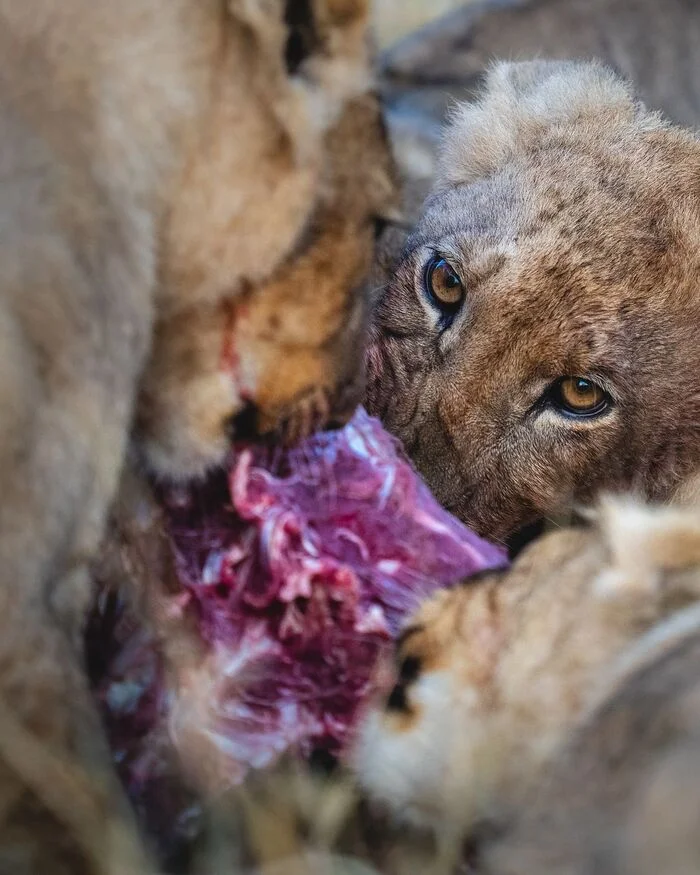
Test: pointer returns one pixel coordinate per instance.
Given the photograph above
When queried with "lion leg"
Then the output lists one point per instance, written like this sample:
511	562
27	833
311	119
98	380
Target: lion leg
63	425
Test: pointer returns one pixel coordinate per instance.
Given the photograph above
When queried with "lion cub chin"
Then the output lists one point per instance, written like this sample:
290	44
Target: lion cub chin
492	678
536	342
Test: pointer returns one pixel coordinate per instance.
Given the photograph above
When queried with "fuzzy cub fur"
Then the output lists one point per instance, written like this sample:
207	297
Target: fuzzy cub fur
551	668
563	359
164	167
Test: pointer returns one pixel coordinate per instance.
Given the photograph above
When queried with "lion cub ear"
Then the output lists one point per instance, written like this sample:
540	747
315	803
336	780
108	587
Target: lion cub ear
520	102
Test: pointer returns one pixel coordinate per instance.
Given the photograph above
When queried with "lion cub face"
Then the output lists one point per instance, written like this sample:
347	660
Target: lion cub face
538	339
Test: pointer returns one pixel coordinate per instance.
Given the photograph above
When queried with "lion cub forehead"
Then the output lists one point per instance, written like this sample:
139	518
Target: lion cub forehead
476	229
494	207
522	101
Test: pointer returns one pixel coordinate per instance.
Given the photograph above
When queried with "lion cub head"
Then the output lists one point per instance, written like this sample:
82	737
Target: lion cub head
490	679
538	339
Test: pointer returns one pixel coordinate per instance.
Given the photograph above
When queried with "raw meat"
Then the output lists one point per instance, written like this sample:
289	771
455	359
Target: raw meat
297	569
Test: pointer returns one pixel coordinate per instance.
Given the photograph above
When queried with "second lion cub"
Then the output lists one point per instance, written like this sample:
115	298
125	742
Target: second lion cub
502	717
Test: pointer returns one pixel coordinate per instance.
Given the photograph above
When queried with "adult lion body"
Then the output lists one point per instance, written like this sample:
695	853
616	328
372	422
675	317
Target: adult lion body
156	160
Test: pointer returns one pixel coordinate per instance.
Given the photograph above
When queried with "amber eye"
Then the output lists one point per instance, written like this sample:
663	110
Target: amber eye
443	285
579	397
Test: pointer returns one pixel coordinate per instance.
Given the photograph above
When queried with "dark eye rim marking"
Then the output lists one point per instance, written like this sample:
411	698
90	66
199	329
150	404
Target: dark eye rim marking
447	310
379	226
554	398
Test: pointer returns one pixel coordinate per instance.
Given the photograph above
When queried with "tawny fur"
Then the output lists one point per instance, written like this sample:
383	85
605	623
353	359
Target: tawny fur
492	678
155	160
571	215
621	795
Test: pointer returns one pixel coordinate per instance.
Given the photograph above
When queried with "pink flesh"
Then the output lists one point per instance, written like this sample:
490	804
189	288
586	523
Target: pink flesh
299	568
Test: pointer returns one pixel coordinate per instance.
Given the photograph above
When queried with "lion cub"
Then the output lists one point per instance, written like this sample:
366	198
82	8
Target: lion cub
537	341
623	794
492	678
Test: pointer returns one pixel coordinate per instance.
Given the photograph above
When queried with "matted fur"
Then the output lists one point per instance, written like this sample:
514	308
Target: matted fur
492	680
159	163
571	214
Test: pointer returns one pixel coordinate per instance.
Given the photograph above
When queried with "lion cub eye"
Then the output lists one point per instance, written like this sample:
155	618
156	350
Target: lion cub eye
444	287
577	396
